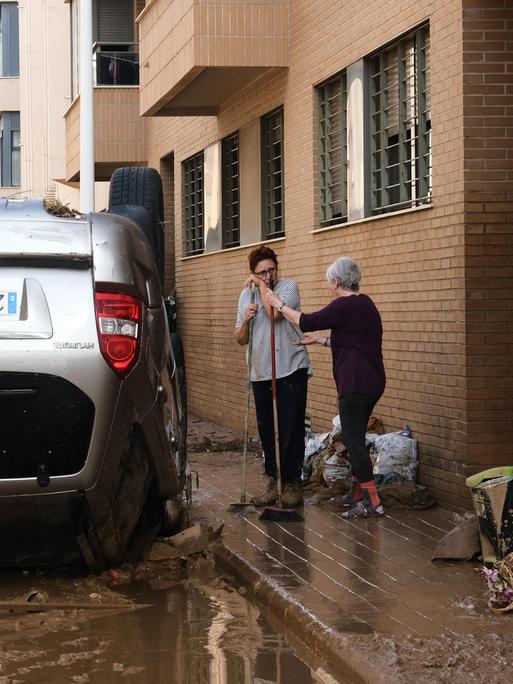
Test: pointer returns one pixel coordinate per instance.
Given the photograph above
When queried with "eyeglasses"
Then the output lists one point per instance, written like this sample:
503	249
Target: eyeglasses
267	272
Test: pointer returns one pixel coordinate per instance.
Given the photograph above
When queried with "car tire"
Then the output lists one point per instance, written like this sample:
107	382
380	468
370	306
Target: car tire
135	511
133	185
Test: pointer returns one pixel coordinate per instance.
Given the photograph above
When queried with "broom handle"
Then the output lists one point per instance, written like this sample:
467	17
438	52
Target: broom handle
277	456
246	418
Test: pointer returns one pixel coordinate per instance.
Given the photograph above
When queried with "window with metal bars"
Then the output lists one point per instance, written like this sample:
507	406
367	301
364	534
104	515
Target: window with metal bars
273	225
193	204
333	150
231	198
10	149
400	124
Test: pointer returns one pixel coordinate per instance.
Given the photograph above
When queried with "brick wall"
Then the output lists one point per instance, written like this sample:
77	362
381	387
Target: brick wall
488	130
413	263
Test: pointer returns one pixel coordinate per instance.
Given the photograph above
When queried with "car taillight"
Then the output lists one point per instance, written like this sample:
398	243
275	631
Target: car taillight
118	318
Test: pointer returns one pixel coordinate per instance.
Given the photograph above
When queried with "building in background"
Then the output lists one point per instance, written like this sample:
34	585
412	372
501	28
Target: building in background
375	129
34	94
119	130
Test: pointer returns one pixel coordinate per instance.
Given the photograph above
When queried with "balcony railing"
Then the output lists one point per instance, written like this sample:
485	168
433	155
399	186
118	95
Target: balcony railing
116	64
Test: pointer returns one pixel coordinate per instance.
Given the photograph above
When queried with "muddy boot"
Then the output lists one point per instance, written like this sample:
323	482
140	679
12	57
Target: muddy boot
269	497
292	496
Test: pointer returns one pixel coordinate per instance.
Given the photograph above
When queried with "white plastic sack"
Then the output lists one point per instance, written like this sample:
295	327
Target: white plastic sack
312	445
335	468
395	453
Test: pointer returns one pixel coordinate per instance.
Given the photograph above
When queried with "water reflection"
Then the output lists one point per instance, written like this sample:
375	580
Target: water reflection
192	633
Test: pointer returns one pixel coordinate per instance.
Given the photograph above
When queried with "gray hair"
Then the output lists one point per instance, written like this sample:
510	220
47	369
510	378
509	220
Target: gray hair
346	273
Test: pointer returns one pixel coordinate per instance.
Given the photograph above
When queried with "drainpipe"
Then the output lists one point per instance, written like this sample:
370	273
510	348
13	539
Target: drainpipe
86	108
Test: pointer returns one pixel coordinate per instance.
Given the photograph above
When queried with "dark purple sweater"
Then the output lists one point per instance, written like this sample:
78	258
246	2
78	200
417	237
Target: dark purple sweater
356	334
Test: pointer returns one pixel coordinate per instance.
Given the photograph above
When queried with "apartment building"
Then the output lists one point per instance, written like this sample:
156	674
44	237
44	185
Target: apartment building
119	130
379	130
34	94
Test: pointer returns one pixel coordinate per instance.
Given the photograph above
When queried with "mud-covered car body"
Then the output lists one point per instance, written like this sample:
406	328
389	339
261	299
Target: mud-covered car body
92	436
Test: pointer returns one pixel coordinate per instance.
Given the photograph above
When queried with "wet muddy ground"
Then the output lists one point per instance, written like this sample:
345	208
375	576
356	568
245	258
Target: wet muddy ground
370	586
158	625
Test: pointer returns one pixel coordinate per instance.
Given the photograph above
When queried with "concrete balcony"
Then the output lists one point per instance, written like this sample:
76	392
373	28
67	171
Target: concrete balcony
119	132
195	54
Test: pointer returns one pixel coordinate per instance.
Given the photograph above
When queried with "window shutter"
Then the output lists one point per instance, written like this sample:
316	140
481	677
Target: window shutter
114	21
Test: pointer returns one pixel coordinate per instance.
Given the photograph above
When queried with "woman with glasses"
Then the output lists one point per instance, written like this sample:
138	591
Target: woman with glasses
355	340
292	371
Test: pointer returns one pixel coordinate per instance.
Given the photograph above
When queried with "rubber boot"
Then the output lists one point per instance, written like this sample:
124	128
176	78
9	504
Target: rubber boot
292	496
269	497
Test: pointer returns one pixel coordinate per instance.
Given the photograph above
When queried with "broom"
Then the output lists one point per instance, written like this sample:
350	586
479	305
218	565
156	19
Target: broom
277	513
239	505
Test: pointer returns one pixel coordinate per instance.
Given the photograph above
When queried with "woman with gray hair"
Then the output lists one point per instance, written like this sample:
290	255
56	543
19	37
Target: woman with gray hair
355	341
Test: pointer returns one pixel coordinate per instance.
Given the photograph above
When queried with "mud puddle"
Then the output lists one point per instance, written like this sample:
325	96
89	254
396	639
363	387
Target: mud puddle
154	630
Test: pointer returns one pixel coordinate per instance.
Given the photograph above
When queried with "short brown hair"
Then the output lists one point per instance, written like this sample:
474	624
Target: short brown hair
259	254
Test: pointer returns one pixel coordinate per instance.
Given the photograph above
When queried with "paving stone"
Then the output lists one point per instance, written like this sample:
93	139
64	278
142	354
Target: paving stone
372	576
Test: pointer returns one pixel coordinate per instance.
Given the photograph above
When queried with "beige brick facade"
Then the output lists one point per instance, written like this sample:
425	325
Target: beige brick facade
441	274
488	164
119	132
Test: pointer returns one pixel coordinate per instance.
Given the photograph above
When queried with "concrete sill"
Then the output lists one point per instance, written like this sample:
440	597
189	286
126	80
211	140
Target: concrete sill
233	249
367	219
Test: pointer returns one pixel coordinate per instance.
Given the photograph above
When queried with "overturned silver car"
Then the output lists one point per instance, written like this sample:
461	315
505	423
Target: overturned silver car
92	398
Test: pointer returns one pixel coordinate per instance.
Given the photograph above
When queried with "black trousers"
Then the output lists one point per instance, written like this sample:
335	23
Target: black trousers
355	410
291	392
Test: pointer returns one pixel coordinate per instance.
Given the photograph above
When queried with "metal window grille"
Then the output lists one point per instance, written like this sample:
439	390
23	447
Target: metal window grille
272	175
10	148
193	204
333	150
231	198
400	124
15	158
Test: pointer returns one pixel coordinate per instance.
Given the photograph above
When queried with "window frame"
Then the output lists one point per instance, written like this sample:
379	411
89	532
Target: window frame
193	198
328	217
9	123
272	181
399	172
230	181
9	40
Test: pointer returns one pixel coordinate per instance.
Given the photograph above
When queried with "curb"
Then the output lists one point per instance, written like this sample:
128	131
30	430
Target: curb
338	650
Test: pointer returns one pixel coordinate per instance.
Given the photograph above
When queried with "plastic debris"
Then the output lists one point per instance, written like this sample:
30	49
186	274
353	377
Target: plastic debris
395	453
461	543
499	579
335	467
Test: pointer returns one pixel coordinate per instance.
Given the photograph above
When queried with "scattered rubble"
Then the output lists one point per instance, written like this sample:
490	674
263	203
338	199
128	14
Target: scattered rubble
56	208
461	543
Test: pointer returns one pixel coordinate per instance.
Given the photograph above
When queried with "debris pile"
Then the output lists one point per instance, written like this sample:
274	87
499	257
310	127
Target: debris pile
499	579
56	208
394	456
194	539
327	471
